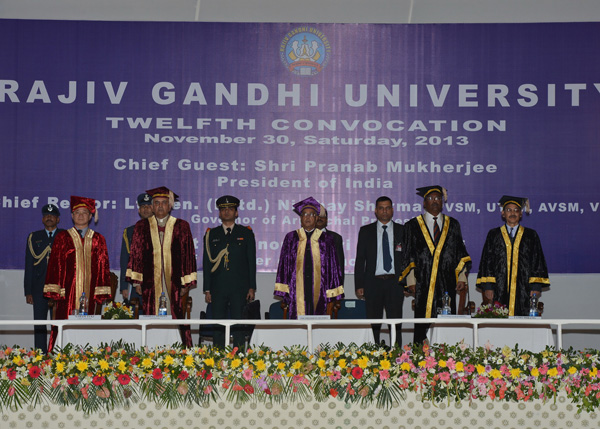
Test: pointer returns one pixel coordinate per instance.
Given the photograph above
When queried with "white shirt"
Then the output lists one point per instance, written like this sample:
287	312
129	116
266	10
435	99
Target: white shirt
379	271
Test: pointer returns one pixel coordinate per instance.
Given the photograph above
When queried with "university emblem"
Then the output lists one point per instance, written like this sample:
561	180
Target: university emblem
305	51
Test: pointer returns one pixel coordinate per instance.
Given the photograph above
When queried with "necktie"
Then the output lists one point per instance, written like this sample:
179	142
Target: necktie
80	231
436	231
50	234
385	242
228	232
309	305
511	232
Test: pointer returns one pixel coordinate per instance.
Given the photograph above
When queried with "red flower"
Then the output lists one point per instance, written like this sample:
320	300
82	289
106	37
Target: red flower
333	392
11	373
237	387
357	372
183	375
98	380
248	389
34	371
135	360
123	379
73	380
157	374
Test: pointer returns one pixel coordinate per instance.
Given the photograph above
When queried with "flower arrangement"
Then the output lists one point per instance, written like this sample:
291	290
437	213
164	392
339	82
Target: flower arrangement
113	376
491	311
117	310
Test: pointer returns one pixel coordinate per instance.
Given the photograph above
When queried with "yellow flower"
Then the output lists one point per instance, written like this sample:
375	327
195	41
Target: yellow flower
168	361
480	369
38	358
260	365
103	364
188	361
405	366
147	363
321	363
209	362
336	354
25	382
594	372
342	363
17	360
422	364
60	367
82	366
535	372
495	373
515	372
552	372
122	366
363	362
572	370
235	363
442	363
297	365
506	351
460	367
281	366
385	364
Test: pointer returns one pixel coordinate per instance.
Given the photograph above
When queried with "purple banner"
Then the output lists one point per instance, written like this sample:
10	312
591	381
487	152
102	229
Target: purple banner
273	113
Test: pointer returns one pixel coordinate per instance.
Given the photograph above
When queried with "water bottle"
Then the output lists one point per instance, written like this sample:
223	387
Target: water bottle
533	306
446	304
162	305
83	305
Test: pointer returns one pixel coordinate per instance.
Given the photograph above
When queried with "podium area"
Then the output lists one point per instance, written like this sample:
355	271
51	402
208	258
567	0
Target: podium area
534	338
156	335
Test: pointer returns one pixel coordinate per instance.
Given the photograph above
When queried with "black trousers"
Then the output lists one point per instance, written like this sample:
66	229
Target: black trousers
41	312
385	293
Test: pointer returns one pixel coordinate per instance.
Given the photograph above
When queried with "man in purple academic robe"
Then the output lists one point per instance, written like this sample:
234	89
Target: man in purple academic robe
309	274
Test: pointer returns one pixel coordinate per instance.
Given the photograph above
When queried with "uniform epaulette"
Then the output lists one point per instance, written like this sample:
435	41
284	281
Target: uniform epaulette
207	229
249	227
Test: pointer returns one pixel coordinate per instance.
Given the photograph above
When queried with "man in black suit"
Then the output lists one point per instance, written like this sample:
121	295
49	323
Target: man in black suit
338	241
377	267
37	253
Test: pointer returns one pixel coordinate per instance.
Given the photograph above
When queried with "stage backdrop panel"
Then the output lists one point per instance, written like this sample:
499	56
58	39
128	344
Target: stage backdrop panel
273	113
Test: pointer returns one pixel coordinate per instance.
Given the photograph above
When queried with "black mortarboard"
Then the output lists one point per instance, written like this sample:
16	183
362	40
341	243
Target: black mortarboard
426	190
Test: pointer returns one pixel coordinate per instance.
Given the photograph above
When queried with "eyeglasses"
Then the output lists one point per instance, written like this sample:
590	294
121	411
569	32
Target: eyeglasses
432	198
511	210
308	214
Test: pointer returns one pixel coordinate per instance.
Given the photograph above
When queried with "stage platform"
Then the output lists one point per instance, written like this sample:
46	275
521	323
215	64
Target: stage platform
411	413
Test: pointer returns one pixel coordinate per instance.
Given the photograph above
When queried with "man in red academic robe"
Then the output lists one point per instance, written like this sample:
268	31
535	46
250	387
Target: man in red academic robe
163	259
78	263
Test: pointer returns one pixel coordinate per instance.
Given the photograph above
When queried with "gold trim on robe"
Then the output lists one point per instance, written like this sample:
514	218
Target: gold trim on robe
280	287
316	258
436	259
542	280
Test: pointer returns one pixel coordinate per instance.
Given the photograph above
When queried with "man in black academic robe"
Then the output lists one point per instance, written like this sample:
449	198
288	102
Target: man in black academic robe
512	267
435	258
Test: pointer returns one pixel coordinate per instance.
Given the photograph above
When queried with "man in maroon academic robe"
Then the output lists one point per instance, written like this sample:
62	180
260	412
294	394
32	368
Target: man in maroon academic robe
78	263
163	259
308	276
